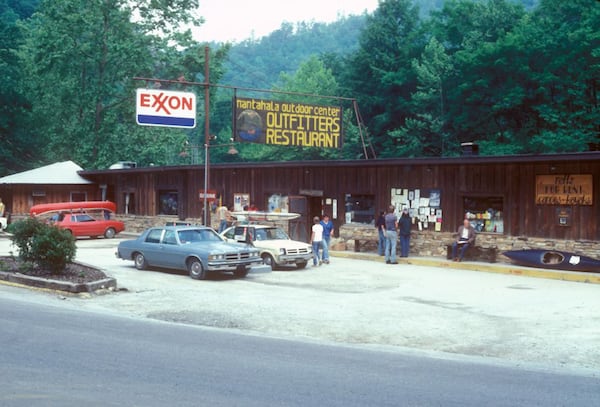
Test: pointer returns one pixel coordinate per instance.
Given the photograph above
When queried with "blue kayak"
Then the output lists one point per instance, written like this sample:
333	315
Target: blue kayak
553	259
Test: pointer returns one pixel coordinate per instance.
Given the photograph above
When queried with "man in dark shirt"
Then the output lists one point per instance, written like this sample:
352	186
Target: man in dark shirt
380	225
391	235
405	223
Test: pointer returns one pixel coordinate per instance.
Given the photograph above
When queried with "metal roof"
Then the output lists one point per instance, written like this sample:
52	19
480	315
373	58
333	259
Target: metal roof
64	173
380	162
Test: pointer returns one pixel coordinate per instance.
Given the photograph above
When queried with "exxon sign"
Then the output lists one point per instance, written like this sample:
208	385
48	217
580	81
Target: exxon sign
155	107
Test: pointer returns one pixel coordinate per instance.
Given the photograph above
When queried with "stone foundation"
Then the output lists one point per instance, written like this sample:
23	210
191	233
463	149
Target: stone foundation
433	244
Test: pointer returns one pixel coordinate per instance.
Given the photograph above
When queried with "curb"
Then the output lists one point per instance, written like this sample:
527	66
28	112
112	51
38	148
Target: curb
47	284
501	268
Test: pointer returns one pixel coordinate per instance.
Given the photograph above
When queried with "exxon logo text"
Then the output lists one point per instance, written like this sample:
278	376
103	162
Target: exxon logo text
155	107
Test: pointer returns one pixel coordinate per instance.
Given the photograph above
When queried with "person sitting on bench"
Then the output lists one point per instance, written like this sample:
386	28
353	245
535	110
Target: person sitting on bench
464	239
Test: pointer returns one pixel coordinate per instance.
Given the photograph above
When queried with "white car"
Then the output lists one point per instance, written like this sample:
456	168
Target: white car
276	247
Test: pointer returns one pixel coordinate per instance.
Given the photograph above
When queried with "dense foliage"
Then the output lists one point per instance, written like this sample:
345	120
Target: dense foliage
44	245
514	76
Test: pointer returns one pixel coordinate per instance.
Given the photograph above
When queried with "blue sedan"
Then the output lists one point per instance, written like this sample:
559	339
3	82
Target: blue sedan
197	249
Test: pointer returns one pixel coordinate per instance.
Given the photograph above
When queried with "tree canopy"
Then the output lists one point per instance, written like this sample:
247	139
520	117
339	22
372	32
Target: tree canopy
515	77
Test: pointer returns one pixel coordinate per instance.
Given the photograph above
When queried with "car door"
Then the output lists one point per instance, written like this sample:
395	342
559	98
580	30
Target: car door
151	247
170	253
85	225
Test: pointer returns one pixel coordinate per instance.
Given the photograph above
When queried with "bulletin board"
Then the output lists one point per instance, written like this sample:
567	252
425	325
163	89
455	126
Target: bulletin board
424	206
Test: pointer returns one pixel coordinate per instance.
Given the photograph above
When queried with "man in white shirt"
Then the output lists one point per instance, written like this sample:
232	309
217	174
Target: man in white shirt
316	240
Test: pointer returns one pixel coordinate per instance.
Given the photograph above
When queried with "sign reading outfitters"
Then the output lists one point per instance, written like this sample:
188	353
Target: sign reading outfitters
287	123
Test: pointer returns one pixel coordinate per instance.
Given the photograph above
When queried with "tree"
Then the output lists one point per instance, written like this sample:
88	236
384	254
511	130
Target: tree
380	74
423	135
483	80
80	58
16	153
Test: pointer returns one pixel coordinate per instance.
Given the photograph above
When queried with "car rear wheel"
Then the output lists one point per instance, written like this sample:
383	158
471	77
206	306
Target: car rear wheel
268	260
301	265
140	261
110	233
241	272
196	270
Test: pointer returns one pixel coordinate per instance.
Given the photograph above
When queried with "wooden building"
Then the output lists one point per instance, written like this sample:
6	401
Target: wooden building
58	182
547	196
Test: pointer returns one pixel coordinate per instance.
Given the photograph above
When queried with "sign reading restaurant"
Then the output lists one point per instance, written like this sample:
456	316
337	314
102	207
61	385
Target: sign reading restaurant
564	189
287	123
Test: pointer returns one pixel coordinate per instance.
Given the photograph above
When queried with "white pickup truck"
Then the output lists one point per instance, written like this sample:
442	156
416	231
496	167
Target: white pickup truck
276	247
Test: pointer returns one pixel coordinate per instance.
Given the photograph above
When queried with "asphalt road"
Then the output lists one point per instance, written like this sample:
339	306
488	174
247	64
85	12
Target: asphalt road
55	354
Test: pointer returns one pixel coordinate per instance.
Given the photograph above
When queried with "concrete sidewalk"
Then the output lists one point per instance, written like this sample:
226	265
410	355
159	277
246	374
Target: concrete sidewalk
502	268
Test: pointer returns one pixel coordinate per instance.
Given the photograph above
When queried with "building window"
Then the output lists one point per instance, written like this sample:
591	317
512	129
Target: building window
360	208
78	196
168	202
485	213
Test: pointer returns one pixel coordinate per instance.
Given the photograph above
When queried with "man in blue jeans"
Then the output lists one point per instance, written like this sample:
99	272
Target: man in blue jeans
391	236
327	232
316	240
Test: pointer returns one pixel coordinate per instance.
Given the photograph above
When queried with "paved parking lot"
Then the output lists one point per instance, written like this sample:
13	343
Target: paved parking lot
512	318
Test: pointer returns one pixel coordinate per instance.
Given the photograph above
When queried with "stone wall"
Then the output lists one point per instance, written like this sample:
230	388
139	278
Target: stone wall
137	224
433	244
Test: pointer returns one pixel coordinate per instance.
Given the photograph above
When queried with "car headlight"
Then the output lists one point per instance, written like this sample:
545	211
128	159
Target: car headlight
281	251
216	257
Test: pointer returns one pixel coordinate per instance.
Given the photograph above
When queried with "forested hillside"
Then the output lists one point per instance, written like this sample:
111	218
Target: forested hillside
516	77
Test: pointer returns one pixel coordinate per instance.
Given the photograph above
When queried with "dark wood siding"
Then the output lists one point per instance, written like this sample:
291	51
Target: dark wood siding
510	178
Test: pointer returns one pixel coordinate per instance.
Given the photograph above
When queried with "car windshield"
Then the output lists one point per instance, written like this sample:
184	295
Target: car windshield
198	235
271	234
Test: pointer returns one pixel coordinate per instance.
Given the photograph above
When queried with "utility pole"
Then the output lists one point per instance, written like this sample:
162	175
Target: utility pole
206	133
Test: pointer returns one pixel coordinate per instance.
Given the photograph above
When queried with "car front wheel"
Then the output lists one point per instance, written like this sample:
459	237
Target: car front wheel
110	233
140	261
196	269
268	260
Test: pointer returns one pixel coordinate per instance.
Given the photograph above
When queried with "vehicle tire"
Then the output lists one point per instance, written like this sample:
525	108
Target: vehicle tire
196	269
139	261
241	272
268	260
110	233
301	265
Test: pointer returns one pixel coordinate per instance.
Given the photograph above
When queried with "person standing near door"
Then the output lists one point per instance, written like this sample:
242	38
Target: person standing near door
316	240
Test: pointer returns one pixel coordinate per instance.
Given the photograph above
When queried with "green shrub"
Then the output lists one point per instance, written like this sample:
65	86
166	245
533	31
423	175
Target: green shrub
45	245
